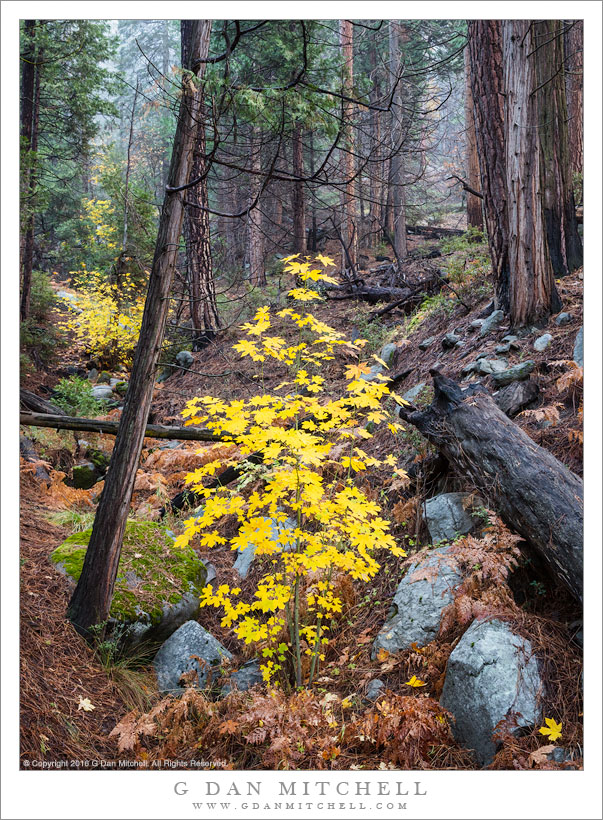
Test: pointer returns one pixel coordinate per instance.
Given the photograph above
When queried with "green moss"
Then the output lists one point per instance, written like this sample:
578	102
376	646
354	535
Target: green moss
164	573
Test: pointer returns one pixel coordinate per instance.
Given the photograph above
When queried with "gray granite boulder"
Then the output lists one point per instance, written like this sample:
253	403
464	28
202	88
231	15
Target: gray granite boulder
85	475
388	353
490	673
563	319
246	554
451	340
374	689
244	678
476	324
184	359
446	516
513	374
515	396
488	366
174	657
578	354
102	392
421	596
542	342
414	392
426	343
492	322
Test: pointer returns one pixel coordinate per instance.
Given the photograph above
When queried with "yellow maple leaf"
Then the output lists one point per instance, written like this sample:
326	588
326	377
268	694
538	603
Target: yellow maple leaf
325	260
414	681
552	729
85	704
354	371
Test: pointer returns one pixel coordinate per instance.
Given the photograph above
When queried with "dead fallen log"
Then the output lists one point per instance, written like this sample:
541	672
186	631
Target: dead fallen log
433	231
534	493
38	404
110	427
368	294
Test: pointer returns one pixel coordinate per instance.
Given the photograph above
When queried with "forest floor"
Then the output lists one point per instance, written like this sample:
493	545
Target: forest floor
319	728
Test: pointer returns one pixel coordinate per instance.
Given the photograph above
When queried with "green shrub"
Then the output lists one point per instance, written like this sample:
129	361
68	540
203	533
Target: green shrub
74	396
42	295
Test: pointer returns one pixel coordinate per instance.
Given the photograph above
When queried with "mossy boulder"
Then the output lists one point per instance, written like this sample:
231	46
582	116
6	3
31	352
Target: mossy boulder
157	587
85	475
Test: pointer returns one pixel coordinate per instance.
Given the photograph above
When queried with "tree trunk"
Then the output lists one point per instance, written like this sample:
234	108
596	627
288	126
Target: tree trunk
485	58
533	295
91	599
375	141
56	421
474	203
255	234
396	179
299	217
30	110
202	291
564	243
574	70
535	494
349	227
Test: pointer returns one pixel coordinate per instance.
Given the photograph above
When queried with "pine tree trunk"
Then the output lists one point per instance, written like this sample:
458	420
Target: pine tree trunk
91	599
30	110
564	243
349	228
397	160
474	203
255	235
485	58
574	70
375	190
299	216
533	293
202	291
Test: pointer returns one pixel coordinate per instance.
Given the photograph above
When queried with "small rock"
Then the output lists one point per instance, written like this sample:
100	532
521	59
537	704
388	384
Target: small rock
476	324
470	368
172	444
104	377
174	657
426	343
490	673
488	366
542	342
212	573
560	755
387	354
515	373
101	392
501	349
563	319
373	690
92	374
515	396
121	387
510	337
244	678
85	476
185	359
450	340
578	354
493	320
481	356
375	372
418	604
449	515
414	392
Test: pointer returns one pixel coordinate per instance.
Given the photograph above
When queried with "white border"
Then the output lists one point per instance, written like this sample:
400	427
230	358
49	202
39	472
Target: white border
450	794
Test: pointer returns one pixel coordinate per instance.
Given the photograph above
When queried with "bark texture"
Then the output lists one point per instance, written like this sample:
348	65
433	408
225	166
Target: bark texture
574	80
255	235
299	214
485	57
535	495
57	421
396	180
92	596
349	228
474	203
564	243
533	295
202	291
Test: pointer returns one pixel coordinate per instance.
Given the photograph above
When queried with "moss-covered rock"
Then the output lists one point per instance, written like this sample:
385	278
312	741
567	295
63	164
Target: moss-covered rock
85	475
157	583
